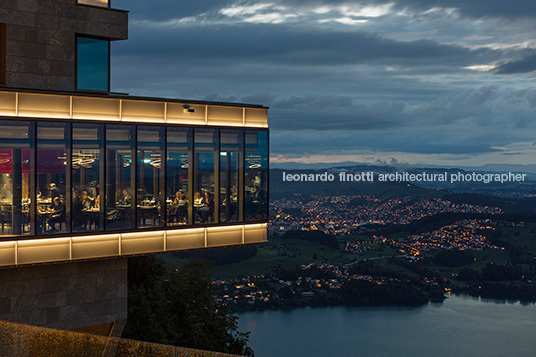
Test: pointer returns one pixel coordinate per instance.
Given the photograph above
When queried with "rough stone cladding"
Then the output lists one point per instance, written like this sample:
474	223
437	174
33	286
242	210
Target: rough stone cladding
65	295
41	37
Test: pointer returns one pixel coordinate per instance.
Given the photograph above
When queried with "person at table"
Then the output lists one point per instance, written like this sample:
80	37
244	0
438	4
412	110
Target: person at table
197	199
208	201
197	205
179	207
78	216
94	192
124	197
85	201
207	207
207	197
180	199
6	192
54	191
230	207
58	214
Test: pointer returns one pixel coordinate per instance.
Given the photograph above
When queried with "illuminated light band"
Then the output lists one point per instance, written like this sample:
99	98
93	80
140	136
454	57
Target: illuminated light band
63	106
49	250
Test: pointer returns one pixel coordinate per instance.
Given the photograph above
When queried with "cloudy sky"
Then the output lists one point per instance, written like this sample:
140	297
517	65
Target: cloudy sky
443	82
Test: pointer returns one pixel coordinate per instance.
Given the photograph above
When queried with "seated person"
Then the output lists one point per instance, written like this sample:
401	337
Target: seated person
54	191
86	201
96	203
6	192
180	199
177	198
206	210
58	216
82	219
229	206
124	198
178	210
197	199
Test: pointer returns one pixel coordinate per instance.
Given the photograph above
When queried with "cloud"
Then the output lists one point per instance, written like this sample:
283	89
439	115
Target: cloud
381	80
475	8
365	8
470	8
525	65
271	44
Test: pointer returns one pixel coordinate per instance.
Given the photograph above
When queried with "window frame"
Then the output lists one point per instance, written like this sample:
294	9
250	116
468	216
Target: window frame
246	205
109	64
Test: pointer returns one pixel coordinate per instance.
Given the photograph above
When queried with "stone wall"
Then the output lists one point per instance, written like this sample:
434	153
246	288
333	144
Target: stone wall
40	39
19	340
66	295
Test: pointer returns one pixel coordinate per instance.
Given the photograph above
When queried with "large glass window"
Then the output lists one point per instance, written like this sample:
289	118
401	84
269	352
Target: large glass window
150	194
100	3
230	167
179	158
87	177
256	175
205	174
120	176
15	156
53	145
60	178
93	64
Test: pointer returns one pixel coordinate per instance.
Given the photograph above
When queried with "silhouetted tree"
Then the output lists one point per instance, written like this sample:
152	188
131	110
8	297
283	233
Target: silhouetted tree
176	306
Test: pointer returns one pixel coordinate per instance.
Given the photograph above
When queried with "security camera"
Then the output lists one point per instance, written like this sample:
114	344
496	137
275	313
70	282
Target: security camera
187	109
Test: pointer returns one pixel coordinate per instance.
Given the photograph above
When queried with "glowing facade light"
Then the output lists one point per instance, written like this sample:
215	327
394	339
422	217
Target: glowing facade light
44	250
62	106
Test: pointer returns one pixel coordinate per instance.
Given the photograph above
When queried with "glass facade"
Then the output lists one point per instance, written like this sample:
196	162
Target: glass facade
100	3
52	175
15	166
87	176
76	178
92	64
256	175
178	163
231	169
150	189
205	174
120	176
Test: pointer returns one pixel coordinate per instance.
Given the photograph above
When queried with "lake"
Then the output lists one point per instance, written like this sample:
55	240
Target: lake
460	326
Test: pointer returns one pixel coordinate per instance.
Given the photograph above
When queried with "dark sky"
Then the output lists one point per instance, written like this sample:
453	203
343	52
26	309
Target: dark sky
409	81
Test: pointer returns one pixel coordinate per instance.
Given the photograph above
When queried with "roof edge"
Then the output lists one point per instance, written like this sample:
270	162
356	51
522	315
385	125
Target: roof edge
113	95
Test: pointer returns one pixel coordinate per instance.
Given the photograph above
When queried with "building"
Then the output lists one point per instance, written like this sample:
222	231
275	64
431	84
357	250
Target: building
89	177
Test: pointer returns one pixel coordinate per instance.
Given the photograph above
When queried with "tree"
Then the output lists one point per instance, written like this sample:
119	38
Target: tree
468	274
453	258
176	306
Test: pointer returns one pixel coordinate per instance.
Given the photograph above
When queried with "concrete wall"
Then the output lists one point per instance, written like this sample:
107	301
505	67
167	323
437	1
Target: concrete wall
40	39
66	295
